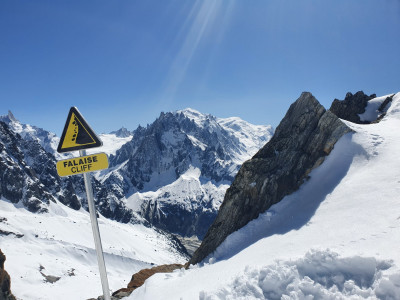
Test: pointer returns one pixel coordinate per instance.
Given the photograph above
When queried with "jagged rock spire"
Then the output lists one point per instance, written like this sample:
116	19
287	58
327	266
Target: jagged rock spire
11	116
302	140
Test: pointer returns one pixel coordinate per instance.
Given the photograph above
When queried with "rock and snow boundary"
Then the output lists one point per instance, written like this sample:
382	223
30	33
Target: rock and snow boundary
337	237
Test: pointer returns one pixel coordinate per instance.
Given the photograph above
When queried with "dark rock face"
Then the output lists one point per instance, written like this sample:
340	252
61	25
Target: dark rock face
20	177
5	281
177	219
353	105
305	136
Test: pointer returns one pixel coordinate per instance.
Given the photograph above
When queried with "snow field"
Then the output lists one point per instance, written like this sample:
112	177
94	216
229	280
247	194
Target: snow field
61	244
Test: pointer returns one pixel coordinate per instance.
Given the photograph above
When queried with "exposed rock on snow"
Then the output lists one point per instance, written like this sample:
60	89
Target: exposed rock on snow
5	281
140	277
303	139
360	108
351	107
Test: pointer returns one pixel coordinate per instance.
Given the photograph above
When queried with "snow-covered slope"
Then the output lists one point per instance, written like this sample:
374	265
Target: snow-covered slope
60	244
337	237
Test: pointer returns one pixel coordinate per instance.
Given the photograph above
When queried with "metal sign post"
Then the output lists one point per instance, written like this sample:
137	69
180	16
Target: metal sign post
96	232
77	135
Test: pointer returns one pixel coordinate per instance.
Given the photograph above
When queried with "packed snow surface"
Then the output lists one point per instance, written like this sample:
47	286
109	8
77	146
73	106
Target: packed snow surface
337	237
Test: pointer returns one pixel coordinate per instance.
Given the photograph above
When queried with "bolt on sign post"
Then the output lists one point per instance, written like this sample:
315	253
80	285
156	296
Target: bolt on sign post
77	135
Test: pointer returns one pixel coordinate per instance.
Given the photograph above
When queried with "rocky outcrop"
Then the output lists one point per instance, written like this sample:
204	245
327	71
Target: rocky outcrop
140	277
303	139
351	107
5	281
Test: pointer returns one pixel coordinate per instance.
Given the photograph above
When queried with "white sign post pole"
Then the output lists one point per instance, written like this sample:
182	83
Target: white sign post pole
96	232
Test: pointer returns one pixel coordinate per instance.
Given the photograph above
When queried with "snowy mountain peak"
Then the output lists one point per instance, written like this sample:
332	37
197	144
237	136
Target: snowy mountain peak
46	139
191	113
200	119
11	116
122	133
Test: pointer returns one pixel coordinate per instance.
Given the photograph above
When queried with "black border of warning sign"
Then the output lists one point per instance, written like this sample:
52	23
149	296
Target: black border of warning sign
97	140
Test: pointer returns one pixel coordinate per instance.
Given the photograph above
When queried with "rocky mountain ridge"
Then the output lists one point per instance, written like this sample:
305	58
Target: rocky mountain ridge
305	136
353	107
174	172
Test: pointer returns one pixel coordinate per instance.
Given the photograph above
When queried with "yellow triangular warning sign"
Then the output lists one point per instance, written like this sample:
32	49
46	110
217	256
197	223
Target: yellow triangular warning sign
77	134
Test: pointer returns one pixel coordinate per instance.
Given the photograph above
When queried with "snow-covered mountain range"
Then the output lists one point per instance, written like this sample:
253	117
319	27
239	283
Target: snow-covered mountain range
174	173
178	168
150	169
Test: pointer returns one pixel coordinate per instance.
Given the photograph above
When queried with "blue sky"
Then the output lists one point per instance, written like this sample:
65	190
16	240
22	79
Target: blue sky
123	62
